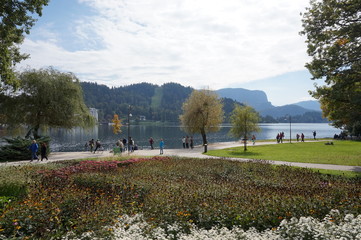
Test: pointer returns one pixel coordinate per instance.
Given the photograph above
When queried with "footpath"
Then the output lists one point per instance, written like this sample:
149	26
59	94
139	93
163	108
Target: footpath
196	152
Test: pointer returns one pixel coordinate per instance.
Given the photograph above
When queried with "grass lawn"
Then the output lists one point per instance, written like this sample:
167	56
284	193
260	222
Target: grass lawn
346	174
341	153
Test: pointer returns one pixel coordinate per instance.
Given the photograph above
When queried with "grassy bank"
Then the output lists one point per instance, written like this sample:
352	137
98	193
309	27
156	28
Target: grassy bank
340	153
82	196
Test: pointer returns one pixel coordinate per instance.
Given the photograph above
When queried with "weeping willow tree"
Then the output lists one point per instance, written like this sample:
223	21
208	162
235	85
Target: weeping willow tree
202	113
244	121
46	98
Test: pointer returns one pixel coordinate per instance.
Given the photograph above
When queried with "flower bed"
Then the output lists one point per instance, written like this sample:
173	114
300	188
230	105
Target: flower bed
196	195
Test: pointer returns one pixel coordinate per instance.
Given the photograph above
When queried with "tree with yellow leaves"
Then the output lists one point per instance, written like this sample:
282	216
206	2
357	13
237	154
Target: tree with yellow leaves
202	113
117	124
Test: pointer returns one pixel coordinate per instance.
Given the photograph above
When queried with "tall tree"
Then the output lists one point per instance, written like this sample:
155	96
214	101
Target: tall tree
17	18
332	28
202	113
46	97
244	121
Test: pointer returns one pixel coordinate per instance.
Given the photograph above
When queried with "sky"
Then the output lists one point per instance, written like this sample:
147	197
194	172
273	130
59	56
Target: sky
198	43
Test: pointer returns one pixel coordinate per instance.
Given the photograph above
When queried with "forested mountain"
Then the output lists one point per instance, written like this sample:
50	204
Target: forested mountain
164	103
156	103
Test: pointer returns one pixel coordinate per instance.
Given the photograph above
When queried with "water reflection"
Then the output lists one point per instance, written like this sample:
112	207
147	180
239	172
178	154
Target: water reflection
75	139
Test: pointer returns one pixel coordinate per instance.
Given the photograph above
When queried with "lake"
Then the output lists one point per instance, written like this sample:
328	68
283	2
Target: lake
75	139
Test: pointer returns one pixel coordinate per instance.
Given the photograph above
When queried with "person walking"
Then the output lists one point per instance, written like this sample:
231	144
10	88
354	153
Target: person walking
125	144
151	141
253	139
302	137
91	144
34	148
314	135
192	142
43	151
184	142
131	144
97	145
161	146
121	146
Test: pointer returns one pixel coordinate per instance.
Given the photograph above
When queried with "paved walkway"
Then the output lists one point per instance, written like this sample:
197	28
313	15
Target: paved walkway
193	153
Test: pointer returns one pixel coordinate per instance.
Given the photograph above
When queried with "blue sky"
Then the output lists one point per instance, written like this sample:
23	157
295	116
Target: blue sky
199	43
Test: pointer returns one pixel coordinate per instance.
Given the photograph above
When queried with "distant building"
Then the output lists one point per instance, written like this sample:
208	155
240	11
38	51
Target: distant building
142	118
94	113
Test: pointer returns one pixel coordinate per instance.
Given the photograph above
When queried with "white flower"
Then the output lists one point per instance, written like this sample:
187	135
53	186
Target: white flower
136	227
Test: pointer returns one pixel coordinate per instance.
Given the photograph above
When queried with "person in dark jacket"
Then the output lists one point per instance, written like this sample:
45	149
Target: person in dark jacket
43	151
98	145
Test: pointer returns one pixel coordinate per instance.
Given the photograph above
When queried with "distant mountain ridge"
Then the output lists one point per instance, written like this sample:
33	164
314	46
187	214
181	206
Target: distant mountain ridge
259	101
254	98
311	104
164	103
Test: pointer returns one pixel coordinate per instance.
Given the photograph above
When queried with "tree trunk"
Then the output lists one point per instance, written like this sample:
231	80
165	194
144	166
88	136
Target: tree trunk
245	143
33	131
204	137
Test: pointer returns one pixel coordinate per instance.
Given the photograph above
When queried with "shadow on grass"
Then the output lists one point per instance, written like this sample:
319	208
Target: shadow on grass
241	153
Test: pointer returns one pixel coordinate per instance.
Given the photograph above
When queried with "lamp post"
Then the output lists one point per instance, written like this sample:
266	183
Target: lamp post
289	118
129	115
290	129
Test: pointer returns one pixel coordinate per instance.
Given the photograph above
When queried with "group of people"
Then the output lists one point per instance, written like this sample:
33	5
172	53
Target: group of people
188	142
92	143
123	144
280	136
161	145
302	137
34	147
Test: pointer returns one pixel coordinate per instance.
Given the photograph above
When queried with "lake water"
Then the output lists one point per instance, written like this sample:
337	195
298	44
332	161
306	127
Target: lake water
75	139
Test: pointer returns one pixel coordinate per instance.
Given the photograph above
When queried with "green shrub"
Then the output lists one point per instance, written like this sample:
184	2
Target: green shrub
12	189
18	148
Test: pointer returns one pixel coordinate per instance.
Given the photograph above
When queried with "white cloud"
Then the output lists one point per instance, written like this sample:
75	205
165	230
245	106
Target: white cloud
193	42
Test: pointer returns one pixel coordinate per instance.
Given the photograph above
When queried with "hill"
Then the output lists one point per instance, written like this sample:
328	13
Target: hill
311	105
156	103
164	103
